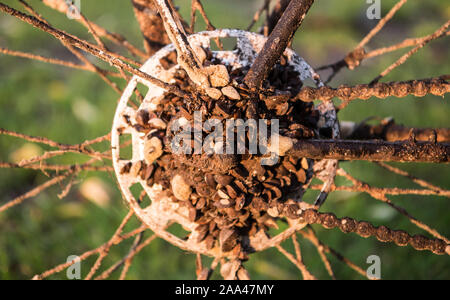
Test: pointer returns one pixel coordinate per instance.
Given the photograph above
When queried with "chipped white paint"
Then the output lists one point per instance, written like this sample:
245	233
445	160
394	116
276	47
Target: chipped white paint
162	210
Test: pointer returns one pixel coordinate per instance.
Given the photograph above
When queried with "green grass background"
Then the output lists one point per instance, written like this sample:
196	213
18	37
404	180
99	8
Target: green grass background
71	106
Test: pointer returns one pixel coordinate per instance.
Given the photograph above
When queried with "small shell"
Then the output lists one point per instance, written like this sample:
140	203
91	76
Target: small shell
227	239
153	149
305	164
148	172
209	242
218	75
241	186
142	117
231	93
301	176
225	202
192	214
200	203
222	194
181	190
213	93
231	191
284	144
224	180
209	179
289	166
240	202
126	168
202	232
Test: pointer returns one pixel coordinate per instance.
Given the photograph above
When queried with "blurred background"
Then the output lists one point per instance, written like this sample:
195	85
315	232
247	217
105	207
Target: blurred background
71	106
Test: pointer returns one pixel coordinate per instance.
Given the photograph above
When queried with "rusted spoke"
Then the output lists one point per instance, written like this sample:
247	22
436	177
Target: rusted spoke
92	49
116	38
118	239
437	86
382	233
309	234
277	42
151	25
389	131
186	56
408	151
438	33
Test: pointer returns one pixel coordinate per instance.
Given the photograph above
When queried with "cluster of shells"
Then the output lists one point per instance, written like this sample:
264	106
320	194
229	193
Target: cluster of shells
227	199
